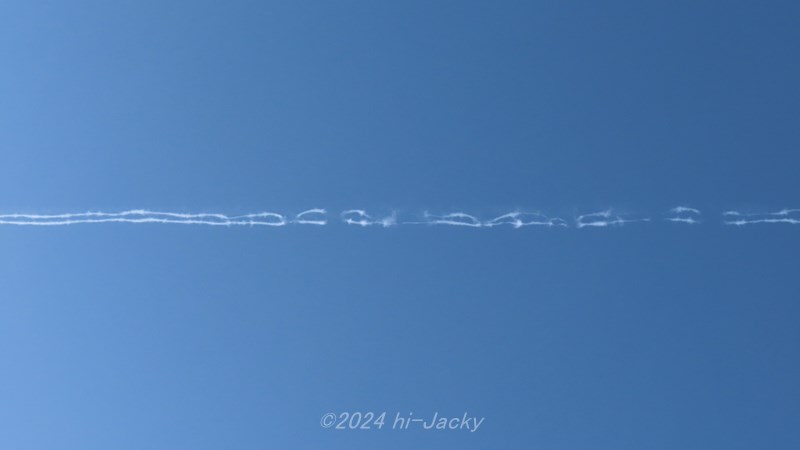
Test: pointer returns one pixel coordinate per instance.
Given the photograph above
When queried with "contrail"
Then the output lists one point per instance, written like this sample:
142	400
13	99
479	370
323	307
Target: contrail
521	219
684	214
142	220
133	212
458	219
139	216
515	219
604	219
790	216
359	217
315	216
684	209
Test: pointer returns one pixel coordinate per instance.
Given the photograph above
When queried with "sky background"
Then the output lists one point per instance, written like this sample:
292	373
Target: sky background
657	336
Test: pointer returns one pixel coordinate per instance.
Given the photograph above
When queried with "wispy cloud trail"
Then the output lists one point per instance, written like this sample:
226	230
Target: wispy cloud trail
515	219
315	216
456	219
361	218
789	216
604	219
141	216
684	214
133	212
521	219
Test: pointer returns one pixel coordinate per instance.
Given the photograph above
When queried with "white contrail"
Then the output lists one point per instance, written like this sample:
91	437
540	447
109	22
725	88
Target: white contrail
458	219
689	220
789	216
361	218
142	220
275	219
139	216
684	209
684	214
604	219
133	212
515	219
304	219
521	219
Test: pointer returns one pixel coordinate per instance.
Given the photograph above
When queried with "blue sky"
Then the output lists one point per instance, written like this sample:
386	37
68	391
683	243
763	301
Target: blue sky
651	335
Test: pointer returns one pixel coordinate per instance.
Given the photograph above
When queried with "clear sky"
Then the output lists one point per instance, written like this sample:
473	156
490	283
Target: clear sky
649	335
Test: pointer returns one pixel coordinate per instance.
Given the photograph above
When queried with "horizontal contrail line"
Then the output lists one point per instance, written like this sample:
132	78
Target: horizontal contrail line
788	216
142	220
360	217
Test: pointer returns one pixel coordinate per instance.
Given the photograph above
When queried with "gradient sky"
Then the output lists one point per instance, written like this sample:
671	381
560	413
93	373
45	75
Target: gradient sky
657	336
